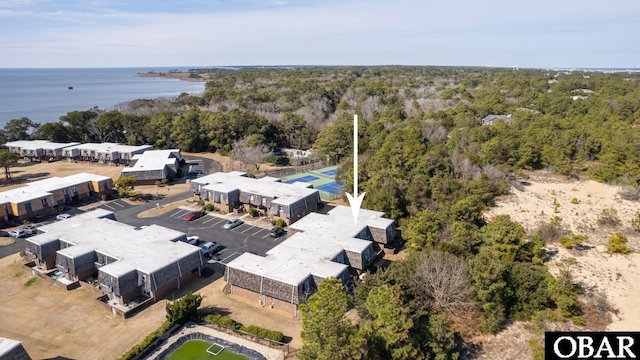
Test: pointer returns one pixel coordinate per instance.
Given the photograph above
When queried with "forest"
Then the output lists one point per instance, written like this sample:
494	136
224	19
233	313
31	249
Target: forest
436	145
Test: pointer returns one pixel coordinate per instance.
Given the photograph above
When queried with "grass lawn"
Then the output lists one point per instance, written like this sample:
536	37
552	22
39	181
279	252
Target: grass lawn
197	350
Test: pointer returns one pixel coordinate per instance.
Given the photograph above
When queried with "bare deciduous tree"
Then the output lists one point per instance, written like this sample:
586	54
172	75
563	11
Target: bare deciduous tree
443	281
251	155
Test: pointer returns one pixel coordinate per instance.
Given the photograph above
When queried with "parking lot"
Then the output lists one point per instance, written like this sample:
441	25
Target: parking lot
115	205
235	242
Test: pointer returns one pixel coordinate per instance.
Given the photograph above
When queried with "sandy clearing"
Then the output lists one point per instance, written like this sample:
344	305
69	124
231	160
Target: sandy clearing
618	276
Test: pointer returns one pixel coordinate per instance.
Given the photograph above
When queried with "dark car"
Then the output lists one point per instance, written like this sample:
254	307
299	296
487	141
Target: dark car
276	232
194	215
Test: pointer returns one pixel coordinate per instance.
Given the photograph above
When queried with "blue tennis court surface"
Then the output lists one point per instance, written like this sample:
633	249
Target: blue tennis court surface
329	172
331	187
308	178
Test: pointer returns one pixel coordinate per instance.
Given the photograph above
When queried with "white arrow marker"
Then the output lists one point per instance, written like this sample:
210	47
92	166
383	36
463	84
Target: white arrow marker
355	200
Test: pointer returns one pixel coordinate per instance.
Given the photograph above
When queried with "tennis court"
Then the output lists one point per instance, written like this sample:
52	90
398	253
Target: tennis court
321	179
333	188
307	178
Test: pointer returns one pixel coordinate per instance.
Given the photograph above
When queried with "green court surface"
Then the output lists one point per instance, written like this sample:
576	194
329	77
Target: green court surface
197	350
321	179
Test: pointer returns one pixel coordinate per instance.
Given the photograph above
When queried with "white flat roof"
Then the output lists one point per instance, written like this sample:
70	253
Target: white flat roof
55	183
111	147
147	250
22	194
42	188
340	220
310	252
39	144
6	345
153	160
282	193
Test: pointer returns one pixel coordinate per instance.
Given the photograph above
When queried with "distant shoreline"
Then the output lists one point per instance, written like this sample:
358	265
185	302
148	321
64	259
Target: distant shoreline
183	76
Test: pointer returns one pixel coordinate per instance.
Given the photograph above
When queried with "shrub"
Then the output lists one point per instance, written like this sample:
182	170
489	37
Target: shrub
629	193
609	217
159	183
273	222
575	201
254	212
618	244
280	223
223	320
200	202
577	320
209	208
635	222
30	282
251	175
263	333
183	309
552	230
22	253
537	349
570	240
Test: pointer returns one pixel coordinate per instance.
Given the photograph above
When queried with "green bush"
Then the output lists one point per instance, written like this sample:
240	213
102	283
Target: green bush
575	201
223	320
537	349
570	240
254	212
183	309
200	202
635	222
251	175
209	208
31	282
609	217
280	223
159	183
263	333
22	253
618	244
577	320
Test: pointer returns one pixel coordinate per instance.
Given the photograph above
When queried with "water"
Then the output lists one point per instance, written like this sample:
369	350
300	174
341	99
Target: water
42	95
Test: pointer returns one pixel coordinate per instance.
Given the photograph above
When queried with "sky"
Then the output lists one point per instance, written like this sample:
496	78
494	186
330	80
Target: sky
142	33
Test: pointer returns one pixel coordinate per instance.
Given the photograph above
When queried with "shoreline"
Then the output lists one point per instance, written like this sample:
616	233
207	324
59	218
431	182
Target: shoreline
182	76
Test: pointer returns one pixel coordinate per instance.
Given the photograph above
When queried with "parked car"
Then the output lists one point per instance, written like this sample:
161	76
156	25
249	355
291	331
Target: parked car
29	229
194	215
276	232
63	216
210	248
232	223
193	240
17	233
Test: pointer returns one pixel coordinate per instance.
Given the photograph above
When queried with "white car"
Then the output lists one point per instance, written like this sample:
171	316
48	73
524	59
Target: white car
29	229
232	223
63	216
193	240
18	233
210	248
